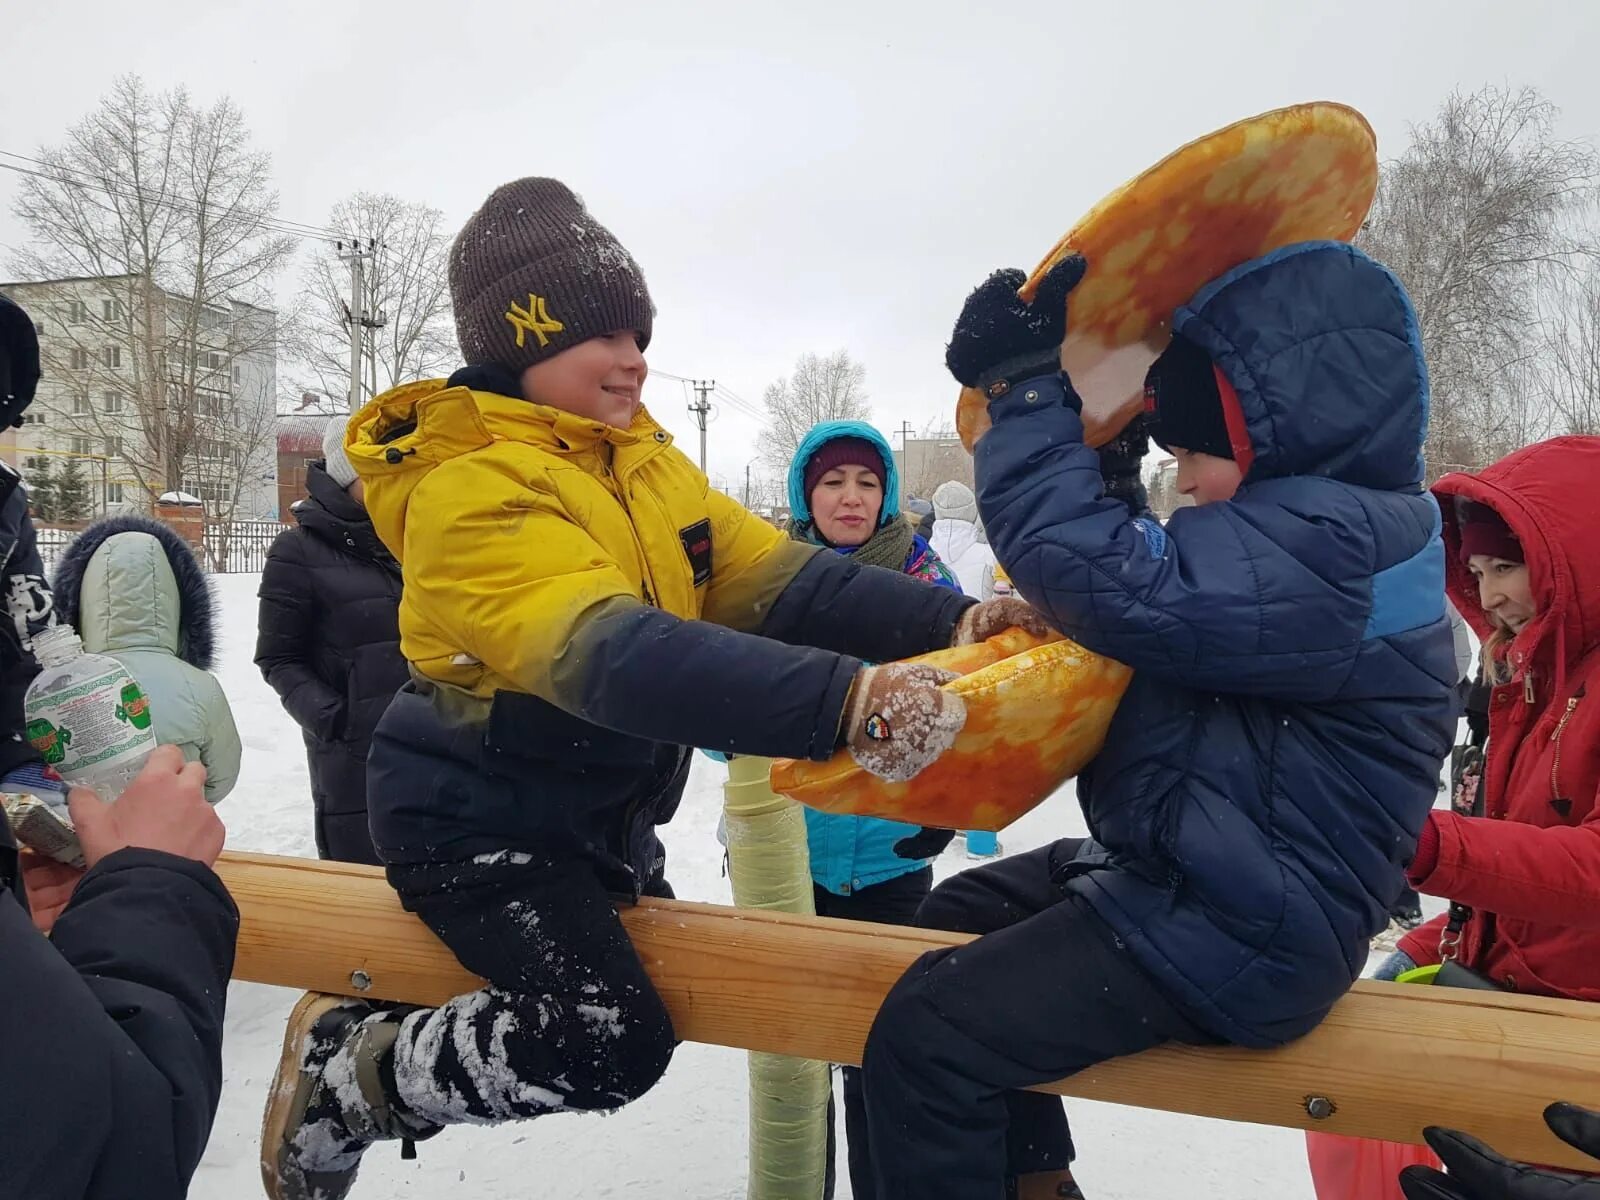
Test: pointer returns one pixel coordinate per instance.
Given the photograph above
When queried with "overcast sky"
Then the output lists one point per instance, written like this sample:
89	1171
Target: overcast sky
791	178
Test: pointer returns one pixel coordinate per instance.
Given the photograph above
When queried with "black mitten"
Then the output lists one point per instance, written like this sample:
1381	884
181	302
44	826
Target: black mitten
999	341
1120	461
926	842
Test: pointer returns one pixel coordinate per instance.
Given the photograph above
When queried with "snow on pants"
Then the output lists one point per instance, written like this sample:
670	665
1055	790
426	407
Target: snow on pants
892	902
1046	992
569	1021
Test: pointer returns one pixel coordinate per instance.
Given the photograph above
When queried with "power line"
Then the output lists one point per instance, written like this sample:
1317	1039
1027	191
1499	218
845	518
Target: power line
126	190
75	178
739	404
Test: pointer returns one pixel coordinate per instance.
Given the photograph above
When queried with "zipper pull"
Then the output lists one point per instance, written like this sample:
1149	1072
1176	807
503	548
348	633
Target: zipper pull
1527	688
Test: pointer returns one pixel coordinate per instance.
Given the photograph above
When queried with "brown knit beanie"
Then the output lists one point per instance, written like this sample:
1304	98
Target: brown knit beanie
533	274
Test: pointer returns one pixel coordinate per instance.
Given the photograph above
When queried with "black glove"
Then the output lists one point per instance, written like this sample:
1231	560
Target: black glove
19	362
926	842
999	341
1478	1173
1120	460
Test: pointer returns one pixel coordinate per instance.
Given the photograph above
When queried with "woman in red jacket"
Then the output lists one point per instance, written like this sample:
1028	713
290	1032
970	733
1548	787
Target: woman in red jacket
1524	569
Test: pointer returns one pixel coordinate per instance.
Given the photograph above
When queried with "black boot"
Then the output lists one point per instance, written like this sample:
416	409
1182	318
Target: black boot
329	1101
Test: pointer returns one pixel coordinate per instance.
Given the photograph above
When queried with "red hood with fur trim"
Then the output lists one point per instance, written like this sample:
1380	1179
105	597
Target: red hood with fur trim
1549	496
1530	868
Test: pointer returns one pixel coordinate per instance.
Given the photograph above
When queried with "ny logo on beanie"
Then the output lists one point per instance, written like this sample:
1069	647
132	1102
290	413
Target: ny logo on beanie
534	319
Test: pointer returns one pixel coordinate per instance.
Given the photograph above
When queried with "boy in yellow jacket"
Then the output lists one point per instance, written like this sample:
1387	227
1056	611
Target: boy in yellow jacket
579	608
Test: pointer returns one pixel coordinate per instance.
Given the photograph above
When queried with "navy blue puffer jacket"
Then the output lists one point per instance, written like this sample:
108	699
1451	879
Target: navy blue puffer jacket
1271	765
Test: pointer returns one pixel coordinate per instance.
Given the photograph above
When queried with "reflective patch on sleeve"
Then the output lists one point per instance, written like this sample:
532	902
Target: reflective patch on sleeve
1155	537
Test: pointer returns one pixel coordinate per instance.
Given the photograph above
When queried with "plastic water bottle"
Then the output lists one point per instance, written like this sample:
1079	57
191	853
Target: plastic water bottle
87	716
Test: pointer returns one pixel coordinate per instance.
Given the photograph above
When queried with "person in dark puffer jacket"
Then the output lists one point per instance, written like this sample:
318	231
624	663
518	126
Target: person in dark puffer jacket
329	643
1272	764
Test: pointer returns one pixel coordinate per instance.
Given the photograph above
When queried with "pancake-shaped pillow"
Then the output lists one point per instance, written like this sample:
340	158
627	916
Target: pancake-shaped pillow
1300	174
1037	712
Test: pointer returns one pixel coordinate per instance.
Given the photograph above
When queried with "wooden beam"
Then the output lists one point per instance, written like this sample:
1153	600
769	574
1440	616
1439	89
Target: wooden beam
1386	1062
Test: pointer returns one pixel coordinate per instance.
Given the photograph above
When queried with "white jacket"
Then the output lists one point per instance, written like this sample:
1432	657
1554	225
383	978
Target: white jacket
959	546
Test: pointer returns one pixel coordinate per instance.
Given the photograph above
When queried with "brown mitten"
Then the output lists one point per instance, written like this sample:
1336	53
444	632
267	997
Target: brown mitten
983	621
897	720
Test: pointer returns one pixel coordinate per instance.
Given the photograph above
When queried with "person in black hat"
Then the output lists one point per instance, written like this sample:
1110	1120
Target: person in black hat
29	607
1270	766
111	1066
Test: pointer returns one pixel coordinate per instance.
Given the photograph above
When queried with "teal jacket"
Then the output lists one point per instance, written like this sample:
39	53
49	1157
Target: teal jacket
851	853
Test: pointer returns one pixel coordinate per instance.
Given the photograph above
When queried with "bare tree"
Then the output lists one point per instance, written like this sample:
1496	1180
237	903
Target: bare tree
1572	359
1472	216
831	388
932	459
163	218
407	289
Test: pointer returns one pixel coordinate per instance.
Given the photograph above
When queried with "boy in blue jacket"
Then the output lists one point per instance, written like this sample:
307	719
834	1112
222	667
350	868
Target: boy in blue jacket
1268	771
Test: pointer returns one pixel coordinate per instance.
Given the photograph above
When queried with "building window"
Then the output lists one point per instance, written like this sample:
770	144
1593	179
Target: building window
236	372
111	310
80	445
113	357
38	327
35	462
213	360
80	404
80	359
33	418
113	493
113	402
114	446
77	312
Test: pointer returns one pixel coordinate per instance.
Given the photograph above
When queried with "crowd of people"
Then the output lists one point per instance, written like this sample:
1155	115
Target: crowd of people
510	609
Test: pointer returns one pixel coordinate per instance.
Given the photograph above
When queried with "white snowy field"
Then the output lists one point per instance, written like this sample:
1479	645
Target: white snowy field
687	1138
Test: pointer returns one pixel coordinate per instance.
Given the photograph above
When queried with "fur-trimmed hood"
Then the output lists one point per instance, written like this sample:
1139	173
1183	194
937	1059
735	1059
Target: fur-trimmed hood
131	583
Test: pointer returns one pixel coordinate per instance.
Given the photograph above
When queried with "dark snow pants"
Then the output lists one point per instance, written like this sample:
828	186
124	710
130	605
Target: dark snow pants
892	902
569	1021
1047	992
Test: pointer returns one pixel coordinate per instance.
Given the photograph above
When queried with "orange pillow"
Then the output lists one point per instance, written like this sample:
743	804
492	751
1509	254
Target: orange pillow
1037	712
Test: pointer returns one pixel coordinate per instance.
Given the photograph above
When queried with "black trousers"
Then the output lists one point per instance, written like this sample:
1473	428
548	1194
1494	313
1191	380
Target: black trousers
569	1021
1047	991
892	902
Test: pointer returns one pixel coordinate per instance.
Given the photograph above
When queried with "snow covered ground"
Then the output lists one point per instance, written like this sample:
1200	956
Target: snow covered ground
687	1138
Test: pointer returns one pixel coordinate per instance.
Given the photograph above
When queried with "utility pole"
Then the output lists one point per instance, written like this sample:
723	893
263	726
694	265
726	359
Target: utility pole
905	452
699	409
355	313
747	484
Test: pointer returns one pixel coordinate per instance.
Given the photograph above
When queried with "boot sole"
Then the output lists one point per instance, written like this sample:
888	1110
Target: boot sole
308	1010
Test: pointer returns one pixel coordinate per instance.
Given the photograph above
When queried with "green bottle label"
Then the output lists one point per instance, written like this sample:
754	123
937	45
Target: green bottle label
48	741
135	707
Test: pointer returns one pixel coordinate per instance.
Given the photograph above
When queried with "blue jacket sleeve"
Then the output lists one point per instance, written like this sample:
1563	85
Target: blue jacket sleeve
1266	596
871	613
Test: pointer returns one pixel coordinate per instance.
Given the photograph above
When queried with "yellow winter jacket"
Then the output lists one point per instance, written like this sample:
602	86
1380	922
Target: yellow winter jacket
525	533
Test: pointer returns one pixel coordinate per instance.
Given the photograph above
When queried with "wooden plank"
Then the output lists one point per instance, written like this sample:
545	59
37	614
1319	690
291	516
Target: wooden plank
1389	1059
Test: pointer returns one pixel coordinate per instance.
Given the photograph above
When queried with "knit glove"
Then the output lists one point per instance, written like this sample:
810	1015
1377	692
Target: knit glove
983	621
1120	462
1478	1173
999	341
898	720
